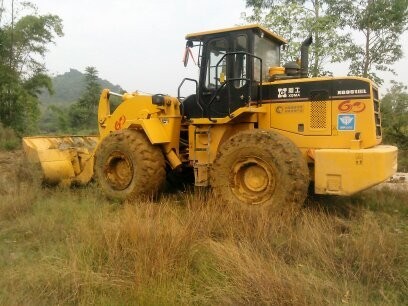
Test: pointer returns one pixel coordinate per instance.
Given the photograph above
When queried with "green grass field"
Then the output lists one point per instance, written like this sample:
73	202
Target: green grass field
72	246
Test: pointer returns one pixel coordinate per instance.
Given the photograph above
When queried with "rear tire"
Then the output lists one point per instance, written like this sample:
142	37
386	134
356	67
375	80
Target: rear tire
260	168
127	166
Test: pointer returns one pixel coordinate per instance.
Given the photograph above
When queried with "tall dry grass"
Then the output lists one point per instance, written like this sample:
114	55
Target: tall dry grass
74	247
19	184
8	139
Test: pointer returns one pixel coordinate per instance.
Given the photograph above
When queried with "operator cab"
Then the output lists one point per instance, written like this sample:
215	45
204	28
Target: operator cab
233	63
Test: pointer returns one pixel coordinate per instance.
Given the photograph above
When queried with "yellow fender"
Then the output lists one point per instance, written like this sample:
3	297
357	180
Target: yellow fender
138	112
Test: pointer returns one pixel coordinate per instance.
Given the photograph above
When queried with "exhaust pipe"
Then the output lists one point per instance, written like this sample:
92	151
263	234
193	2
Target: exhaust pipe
304	57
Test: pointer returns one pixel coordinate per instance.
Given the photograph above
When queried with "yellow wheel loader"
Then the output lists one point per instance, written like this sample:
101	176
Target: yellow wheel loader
257	133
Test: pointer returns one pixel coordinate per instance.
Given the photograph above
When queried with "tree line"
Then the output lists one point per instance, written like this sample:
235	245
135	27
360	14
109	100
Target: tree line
23	45
364	33
24	42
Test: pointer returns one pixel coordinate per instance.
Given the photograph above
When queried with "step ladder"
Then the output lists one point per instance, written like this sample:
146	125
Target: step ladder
201	169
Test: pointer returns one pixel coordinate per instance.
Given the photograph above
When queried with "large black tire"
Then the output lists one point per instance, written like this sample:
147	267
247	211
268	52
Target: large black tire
260	168
128	166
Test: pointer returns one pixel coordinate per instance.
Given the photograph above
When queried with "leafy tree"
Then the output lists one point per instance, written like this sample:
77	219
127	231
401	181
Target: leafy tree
394	109
55	119
83	114
23	43
381	23
295	20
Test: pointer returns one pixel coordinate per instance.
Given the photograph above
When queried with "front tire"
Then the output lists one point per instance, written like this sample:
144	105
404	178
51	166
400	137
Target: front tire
260	168
127	166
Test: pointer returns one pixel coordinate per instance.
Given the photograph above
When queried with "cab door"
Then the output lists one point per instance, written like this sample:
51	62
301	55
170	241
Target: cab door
225	82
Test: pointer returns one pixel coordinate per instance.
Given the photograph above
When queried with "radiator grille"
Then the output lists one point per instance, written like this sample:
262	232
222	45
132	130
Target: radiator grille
318	118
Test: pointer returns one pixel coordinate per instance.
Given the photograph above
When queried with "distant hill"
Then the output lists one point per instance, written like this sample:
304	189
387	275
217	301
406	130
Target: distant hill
69	86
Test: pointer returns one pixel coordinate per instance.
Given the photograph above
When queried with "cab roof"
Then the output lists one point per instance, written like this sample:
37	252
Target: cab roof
199	36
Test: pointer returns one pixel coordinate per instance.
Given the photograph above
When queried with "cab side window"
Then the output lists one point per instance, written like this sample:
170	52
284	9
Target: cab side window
269	51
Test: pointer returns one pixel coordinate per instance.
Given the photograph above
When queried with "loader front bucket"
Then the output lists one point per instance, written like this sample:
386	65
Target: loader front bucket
63	159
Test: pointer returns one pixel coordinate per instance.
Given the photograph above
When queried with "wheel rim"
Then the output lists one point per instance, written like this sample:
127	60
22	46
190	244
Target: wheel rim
118	170
253	180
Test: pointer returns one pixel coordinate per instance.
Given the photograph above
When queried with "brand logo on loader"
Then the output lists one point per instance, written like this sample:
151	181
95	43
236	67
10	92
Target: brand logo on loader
119	123
289	92
348	106
346	122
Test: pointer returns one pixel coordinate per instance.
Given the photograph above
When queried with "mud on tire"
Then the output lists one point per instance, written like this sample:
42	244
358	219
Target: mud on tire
260	168
127	166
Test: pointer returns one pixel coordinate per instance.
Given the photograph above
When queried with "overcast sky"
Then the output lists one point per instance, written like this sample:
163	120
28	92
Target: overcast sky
139	44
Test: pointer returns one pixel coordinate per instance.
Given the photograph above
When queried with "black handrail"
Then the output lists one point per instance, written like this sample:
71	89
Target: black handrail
230	80
197	97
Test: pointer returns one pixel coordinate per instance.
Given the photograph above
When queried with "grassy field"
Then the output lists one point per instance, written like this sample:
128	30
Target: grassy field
71	246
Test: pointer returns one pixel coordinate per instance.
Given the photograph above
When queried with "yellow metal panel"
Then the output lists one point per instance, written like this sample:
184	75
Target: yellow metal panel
331	136
285	118
56	165
235	116
346	171
155	130
133	108
290	81
303	118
